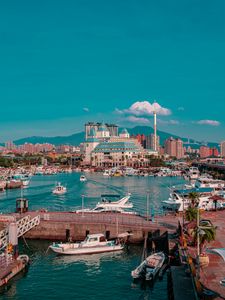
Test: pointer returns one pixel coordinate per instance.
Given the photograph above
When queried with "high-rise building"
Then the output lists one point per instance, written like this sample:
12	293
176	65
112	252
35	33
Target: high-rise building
204	151
214	152
10	145
174	148
222	149
179	149
150	142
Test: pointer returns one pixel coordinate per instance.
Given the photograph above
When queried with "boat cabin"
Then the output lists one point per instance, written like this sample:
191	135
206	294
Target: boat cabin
93	239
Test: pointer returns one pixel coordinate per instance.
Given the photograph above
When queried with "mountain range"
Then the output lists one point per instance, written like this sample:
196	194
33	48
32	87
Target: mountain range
77	138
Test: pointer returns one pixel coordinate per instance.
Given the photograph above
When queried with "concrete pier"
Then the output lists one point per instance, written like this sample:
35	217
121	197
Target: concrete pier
64	225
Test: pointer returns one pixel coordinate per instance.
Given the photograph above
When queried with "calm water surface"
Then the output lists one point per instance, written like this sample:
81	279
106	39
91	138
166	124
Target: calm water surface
100	276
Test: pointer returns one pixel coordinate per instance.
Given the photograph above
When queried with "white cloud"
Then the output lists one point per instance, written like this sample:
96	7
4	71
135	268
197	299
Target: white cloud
118	111
169	122
208	122
134	119
145	108
86	109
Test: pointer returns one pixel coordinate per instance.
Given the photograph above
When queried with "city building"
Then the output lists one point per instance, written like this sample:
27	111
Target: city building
112	128
204	151
174	148
124	134
10	145
89	145
222	149
150	142
113	154
214	152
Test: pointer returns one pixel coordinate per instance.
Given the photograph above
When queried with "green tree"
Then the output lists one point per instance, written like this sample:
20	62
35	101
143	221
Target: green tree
205	235
194	199
191	214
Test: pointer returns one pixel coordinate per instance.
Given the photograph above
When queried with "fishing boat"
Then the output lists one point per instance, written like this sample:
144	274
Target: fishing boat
83	178
59	189
94	243
150	267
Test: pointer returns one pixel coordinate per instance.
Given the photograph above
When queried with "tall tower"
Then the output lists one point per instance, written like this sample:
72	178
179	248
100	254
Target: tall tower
155	132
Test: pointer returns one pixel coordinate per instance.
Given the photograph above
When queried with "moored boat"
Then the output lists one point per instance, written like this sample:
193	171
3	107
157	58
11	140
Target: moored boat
107	205
94	243
150	267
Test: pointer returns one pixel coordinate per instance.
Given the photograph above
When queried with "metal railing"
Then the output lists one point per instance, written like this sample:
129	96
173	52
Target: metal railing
23	225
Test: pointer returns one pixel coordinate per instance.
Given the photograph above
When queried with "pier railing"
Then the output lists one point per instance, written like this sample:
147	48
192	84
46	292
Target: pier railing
87	218
23	226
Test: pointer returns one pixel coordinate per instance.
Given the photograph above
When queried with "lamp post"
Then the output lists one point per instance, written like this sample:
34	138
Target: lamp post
147	208
183	208
82	198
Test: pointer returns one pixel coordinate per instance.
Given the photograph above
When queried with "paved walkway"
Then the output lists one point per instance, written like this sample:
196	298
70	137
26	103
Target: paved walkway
215	271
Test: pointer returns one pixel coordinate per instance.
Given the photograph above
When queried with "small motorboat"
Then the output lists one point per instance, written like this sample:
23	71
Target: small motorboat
94	243
150	267
59	189
83	178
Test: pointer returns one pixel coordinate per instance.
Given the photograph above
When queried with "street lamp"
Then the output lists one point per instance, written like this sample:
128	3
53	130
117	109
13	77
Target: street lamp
82	197
147	208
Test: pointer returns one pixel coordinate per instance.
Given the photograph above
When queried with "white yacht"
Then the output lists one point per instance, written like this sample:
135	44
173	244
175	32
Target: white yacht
150	267
83	178
59	189
179	199
94	243
206	181
106	205
193	173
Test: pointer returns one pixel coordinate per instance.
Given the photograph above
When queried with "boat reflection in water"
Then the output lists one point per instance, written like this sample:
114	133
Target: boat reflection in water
93	260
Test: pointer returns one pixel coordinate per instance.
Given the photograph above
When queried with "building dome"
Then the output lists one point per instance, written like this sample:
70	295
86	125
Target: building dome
102	128
124	134
124	131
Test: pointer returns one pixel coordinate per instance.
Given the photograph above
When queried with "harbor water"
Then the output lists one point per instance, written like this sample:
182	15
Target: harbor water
98	276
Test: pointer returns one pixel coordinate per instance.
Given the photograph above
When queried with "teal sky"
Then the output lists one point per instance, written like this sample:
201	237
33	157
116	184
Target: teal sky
63	63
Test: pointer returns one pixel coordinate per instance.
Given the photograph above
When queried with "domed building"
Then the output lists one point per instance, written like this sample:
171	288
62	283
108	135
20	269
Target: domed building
90	144
102	132
124	134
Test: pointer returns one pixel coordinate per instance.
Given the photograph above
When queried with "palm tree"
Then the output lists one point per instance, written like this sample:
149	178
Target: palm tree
207	234
194	199
191	214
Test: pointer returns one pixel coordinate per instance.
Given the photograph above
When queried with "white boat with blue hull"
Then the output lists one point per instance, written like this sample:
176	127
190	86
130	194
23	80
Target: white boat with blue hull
150	267
94	243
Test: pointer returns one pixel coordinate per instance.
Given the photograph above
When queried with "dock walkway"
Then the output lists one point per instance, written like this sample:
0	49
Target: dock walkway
182	284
